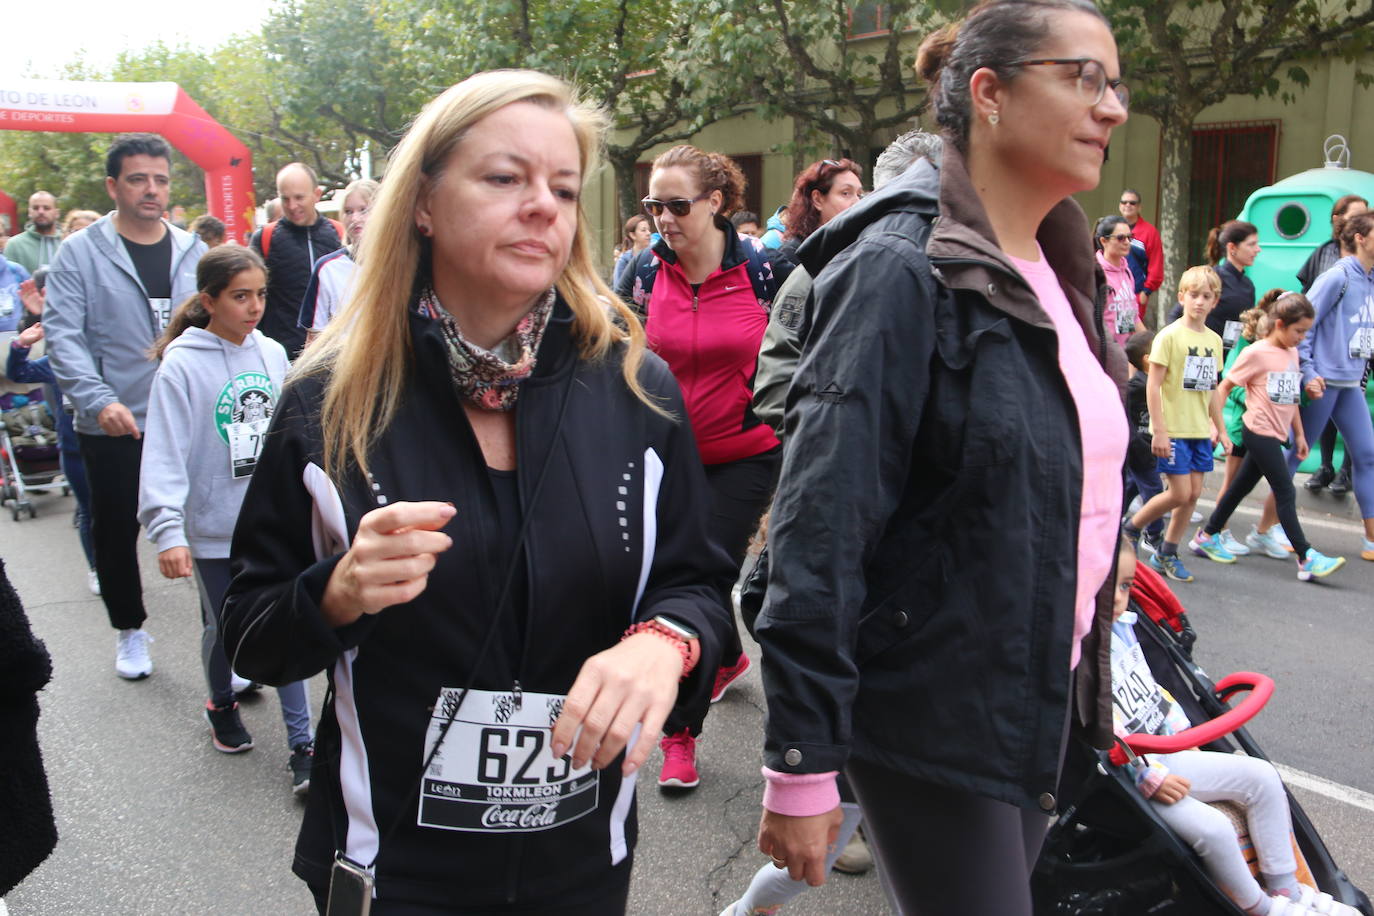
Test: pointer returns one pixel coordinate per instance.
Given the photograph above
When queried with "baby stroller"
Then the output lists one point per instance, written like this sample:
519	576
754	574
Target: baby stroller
1109	854
30	459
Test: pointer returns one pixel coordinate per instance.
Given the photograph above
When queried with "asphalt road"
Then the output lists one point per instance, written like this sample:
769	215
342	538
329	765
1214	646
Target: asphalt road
154	821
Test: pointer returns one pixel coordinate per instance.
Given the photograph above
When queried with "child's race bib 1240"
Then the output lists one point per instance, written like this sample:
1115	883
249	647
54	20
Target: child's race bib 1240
1284	387
495	772
1362	343
1199	373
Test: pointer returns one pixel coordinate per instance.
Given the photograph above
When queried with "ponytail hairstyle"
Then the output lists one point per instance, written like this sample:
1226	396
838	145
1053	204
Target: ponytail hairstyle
1105	226
216	270
627	242
1283	305
802	216
1338	212
1359	224
993	35
713	172
1232	232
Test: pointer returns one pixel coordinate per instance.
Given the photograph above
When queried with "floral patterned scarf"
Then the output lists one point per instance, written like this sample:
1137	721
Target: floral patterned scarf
490	379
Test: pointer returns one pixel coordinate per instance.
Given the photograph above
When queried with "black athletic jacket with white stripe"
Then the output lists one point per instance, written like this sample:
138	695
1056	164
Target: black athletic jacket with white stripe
617	535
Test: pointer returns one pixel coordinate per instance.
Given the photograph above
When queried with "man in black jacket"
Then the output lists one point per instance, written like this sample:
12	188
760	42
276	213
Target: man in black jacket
291	246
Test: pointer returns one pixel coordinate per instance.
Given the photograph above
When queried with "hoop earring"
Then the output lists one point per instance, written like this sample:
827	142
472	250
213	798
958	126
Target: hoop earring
994	118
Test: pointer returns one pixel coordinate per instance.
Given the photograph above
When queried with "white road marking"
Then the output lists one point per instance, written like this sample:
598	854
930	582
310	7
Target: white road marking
1323	786
1307	521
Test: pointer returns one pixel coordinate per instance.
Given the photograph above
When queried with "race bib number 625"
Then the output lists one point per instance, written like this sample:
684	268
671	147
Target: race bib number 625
495	772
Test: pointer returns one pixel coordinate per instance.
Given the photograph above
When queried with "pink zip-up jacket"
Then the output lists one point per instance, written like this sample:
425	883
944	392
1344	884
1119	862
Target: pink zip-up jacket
710	339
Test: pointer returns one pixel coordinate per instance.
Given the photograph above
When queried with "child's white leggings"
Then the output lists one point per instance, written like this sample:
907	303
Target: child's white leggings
1247	781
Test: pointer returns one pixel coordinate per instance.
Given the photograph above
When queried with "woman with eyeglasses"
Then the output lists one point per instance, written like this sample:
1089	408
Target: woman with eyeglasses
944	535
705	291
822	191
1121	314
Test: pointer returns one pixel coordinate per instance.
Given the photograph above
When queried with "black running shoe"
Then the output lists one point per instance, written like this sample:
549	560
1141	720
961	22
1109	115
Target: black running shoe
302	757
1320	479
1341	483
226	729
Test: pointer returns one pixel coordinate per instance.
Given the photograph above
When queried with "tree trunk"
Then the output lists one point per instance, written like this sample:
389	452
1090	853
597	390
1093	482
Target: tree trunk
623	164
1175	189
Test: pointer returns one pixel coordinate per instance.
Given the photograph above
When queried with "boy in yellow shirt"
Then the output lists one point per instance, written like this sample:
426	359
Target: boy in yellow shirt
1185	366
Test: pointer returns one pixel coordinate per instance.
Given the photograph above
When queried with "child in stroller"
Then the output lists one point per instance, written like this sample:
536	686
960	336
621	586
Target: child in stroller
1179	784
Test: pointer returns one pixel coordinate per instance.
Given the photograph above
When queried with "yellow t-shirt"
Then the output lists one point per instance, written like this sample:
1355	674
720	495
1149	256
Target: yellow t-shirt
1193	359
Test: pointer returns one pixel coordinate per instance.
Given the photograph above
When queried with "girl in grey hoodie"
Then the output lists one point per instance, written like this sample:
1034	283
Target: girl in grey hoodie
211	402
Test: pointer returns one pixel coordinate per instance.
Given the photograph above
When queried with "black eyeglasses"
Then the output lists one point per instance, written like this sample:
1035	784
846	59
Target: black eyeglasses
1121	238
678	206
1130	203
1092	77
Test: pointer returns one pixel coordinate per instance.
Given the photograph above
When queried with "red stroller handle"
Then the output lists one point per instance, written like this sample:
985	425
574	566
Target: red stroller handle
1261	689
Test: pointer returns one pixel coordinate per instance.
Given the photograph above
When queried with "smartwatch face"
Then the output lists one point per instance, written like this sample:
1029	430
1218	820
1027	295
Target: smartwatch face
681	629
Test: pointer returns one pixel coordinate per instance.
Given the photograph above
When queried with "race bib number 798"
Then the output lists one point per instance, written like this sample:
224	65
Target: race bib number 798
495	772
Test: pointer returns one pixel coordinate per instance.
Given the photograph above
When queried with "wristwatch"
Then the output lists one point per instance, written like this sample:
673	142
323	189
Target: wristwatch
679	633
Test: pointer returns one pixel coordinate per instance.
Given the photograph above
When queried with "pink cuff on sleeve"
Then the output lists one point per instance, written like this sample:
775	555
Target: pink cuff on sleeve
800	794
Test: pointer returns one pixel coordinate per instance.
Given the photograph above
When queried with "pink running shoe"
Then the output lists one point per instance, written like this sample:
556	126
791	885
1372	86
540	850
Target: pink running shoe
728	674
679	761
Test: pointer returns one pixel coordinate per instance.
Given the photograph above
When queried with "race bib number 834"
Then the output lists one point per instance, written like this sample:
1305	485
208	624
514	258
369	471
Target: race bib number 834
495	772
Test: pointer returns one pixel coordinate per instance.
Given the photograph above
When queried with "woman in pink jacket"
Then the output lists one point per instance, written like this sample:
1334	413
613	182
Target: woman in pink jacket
1122	314
705	293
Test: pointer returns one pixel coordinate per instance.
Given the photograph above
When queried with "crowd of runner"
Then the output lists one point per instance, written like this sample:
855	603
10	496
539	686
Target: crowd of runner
504	492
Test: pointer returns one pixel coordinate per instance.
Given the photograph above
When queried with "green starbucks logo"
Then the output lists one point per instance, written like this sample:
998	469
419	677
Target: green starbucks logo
245	398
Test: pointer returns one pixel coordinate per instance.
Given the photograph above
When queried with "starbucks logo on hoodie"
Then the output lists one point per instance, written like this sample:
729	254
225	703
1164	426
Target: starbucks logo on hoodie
246	398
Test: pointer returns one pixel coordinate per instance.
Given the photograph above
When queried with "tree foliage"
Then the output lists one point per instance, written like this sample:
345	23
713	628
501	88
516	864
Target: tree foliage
1183	55
797	59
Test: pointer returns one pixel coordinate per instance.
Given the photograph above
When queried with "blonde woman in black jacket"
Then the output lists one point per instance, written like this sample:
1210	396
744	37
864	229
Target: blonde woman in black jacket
480	509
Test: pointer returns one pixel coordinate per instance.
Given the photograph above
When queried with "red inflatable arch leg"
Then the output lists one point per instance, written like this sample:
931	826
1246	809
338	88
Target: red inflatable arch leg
160	108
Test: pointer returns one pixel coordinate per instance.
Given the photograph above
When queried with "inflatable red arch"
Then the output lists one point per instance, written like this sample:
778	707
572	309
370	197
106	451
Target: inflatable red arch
160	108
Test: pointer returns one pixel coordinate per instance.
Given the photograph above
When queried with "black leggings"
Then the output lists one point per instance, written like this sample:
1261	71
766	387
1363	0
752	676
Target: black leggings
1263	458
1328	447
946	852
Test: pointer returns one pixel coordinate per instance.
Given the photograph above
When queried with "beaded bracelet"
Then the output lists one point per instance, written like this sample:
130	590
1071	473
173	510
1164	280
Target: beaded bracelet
689	652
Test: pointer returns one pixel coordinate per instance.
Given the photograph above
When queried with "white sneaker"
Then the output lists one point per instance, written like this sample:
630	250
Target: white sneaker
1234	547
93	582
131	660
1310	903
1195	518
1319	902
1266	543
241	685
1282	538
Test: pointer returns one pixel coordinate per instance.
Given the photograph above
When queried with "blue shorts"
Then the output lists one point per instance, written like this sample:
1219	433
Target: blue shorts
1188	455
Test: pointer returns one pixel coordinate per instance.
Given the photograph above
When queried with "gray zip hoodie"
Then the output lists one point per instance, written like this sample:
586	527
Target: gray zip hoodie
99	324
187	493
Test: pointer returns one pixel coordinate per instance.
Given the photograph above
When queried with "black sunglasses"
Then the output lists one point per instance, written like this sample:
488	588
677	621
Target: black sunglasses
678	206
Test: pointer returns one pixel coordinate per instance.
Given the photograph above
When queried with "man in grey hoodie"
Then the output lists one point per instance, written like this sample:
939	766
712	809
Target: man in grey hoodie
36	246
111	290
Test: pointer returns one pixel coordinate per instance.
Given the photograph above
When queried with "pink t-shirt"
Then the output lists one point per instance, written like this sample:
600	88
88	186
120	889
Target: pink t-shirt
1273	386
1103	430
1122	308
